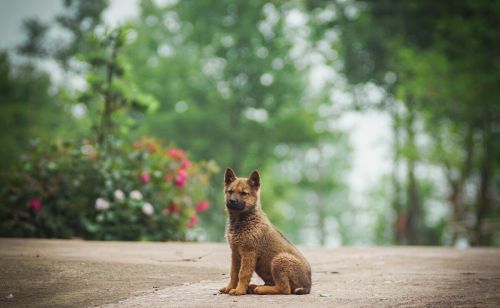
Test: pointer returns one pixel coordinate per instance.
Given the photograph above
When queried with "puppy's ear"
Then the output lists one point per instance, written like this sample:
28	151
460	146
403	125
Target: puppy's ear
254	180
229	176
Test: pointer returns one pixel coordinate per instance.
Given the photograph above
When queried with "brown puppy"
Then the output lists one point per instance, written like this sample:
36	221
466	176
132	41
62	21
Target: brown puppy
256	245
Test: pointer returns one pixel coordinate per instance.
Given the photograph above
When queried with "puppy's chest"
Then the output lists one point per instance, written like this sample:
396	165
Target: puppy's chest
244	239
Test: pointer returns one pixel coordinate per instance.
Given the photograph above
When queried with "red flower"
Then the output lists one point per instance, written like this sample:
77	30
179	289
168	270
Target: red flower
192	221
145	178
174	209
35	204
202	206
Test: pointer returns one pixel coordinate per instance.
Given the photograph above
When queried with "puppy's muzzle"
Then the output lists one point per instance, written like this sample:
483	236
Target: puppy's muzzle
235	205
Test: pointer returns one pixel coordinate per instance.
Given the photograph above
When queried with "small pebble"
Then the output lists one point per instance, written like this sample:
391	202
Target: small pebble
9	296
325	295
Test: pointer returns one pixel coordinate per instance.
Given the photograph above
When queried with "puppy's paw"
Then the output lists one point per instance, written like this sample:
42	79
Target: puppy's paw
225	290
237	292
251	288
259	290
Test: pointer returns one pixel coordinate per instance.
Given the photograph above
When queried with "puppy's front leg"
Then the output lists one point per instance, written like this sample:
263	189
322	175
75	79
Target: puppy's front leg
248	261
235	269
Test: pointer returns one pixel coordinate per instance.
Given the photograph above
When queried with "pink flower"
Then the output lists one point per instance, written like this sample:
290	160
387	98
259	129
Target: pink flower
136	144
182	173
177	153
202	206
192	221
180	182
35	204
181	178
186	164
145	178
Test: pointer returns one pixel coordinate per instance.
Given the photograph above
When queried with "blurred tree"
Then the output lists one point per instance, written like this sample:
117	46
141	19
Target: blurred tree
227	85
34	45
30	101
27	109
79	20
322	191
440	62
216	80
111	95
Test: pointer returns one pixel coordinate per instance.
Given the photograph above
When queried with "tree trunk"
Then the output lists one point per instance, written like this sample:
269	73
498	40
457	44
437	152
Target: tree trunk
456	196
414	229
322	220
106	124
483	203
414	210
400	217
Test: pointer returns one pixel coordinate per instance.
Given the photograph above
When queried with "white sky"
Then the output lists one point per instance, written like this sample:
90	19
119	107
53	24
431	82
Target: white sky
369	133
13	12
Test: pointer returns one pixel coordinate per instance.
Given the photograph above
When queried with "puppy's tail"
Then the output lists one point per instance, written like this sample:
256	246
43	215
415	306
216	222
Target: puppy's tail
301	291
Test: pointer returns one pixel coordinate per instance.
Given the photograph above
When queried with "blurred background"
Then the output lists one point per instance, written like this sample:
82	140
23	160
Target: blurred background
371	122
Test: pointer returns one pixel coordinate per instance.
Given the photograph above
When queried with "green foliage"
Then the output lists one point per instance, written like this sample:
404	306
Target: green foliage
111	94
80	19
210	88
34	46
228	90
144	191
27	110
47	175
309	193
438	64
231	81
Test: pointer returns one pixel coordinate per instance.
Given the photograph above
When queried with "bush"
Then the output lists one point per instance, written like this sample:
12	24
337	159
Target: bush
135	191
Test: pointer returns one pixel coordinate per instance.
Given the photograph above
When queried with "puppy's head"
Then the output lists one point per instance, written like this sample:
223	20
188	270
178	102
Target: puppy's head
241	194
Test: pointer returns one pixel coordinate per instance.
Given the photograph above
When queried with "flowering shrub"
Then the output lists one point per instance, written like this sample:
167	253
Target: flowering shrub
138	191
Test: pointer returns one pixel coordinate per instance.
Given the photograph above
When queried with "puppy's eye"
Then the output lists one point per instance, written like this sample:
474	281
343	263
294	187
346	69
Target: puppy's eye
244	193
229	191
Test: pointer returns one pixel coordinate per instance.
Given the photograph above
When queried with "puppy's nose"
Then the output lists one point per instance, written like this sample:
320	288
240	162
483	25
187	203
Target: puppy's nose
235	205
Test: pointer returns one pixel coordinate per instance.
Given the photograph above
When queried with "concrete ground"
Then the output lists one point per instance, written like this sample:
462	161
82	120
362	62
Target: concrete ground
73	273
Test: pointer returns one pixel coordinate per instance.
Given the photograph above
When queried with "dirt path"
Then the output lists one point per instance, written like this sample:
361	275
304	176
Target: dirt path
55	273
